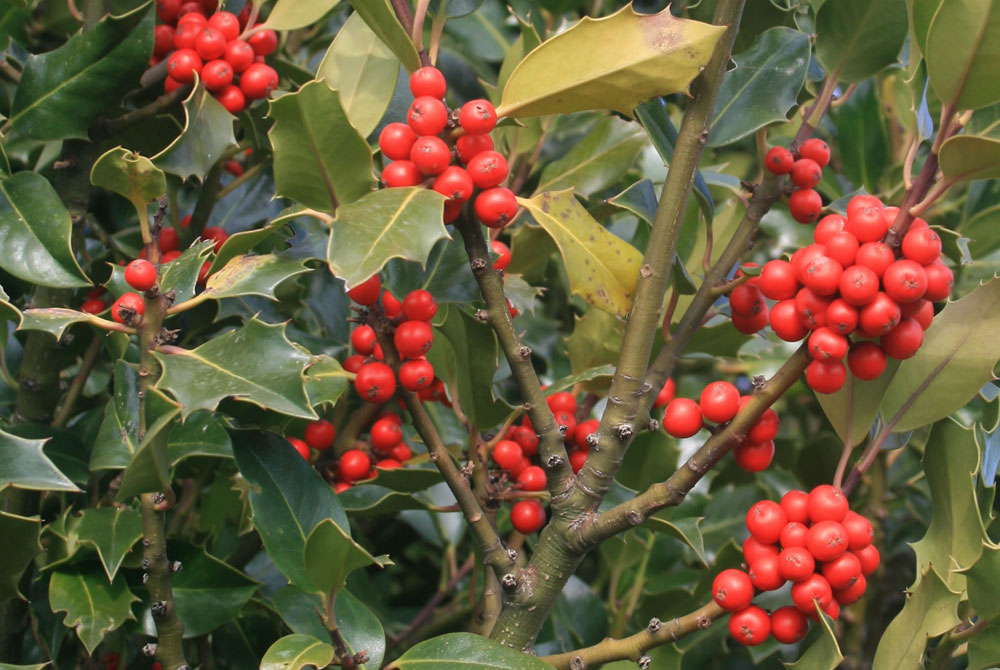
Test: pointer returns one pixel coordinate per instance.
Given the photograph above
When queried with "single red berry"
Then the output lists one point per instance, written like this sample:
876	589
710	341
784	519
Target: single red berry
805	205
719	401
385	434
842	247
216	75
354	362
826	376
526	437
765	575
779	160
527	516
822	275
264	42
561	401
765	519
754	456
413	338
577	460
879	316
428	81
940	281
93	306
163	41
765	428
751	324
185	35
477	117
258	80
402	453
375	382
851	595
470	146
793	535
301	447
753	549
168	10
827	345
427	115
239	55
875	256
777	280
401	173
430	154
750	626
904	340
843	571
169	240
388	464
786	323
367	292
210	44
813	588
801	259
826	540
842	317
796	564
454	183
363	339
746	300
869	558
796	506
231	97
788	625
921	245
811	308
858	285
495	207
905	281
216	235
170	84
183	64
533	478
867	360
419	305
319	434
503	253
128	308
732	590
817	150
416	375
354	465
487	169
859	531
682	417
140	274
859	202
226	23
828	226
868	224
396	140
806	173
665	394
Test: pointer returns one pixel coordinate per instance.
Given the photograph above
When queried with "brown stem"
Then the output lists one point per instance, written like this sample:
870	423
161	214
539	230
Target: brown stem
405	17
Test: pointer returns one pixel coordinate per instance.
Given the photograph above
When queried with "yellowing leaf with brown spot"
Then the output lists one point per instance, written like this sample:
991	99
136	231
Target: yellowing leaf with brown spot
615	62
603	269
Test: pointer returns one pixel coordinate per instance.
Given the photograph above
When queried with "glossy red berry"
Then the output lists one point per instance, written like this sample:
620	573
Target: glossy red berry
826	540
841	317
842	571
239	55
796	506
765	519
754	456
750	626
183	64
93	306
793	535
940	281
427	115
754	549
140	274
719	401
860	533
454	183
354	465
503	255
785	322
827	345
796	564
766	427
495	207
168	10
470	146
858	285
788	625
533	478
859	202
413	338
264	42
777	280
827	227
258	81
396	140
185	35
561	401
732	590
816	150
231	97
419	305
430	154
822	275
367	292
217	75
827	503
826	376
869	558
320	434
868	224
867	360
879	316
128	309
527	516
814	588
805	205
779	160
751	324
428	81
487	169
905	281
301	447
746	300
477	117
401	173
875	256
765	575
416	375
851	594
921	245
385	434
842	247
811	308
375	382
682	417
363	340
806	173
665	394
226	23
904	340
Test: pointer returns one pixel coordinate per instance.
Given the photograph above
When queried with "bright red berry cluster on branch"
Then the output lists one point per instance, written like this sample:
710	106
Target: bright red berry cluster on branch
805	172
810	539
198	40
452	153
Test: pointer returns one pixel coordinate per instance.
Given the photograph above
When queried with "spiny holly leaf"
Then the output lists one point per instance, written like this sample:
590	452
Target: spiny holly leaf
207	133
330	555
954	538
824	653
238	244
687	530
586	68
128	174
957	357
603	269
112	531
390	223
118	435
35	231
857	38
460	651
961	53
639	198
202	434
762	87
61	92
255	364
252	275
598	160
326	380
93	606
297	651
465	351
929	611
320	160
7	311
148	469
853	408
982	583
24	465
20	536
380	17
364	70
181	274
289	498
293	14
56	320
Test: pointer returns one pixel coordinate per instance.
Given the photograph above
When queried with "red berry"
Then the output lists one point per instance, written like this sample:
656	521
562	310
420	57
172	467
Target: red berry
487	169
860	533
210	44
816	150
828	226
682	417
796	564
905	281
751	324
226	23
428	81
796	506
93	306
128	308
841	317
401	173
239	55
826	540
186	34
793	535
805	205
880	315
875	256
470	146
746	300
766	427
806	173
419	305
413	338
788	625
779	160
859	202
231	97
140	274
215	234
170	84
388	464
430	154
495	207
416	374
526	437
577	460
921	245
869	558
527	516
363	340
719	401
300	447
264	42
750	626
533	478
753	549
765	519
842	247
217	75
183	64
827	345
375	382
427	115
777	280
385	435
868	224
503	253
867	360
858	285
454	183
396	140
814	588
402	453
169	240
940	281
167	10
765	575
801	258
320	434
822	275
754	456
561	401
192	9
850	595
732	590
163	41
367	292
826	376
904	340
354	362
665	394
477	117
843	571
811	308
786	323
354	465
258	81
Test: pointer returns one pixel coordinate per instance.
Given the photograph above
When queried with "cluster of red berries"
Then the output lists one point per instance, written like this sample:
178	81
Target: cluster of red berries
719	403
425	147
198	40
848	290
318	435
805	171
810	539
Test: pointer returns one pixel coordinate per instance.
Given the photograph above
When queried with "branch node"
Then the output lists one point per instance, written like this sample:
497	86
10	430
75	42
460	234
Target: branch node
524	352
563	430
593	439
512	553
624	431
644	662
759	382
654	425
654	625
482	315
704	622
508	581
634	517
554	461
646	271
159	609
149	649
576	663
478	265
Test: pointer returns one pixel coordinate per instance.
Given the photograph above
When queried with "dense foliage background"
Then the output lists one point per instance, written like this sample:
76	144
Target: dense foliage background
112	445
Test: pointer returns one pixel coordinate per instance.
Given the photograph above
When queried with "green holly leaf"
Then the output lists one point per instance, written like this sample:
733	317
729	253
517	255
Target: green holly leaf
148	469
252	275
762	87
255	364
373	500
982	584
93	606
954	538
603	269
207	133
639	198
852	410
459	651
390	223
35	231
326	380
240	243
64	90
20	536
598	160
118	434
294	652
960	53
364	70
824	653
410	479
128	174
858	38
446	274
23	465
967	157
112	531
55	320
320	160
181	274
595	342
330	555
294	14
930	610
380	17
202	434
586	68
956	359
862	135
984	647
465	353
288	497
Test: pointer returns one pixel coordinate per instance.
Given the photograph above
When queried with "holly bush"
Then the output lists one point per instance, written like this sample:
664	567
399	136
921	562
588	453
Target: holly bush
418	333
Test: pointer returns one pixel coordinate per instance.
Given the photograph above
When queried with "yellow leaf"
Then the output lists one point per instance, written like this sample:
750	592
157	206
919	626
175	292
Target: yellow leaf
615	62
603	269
